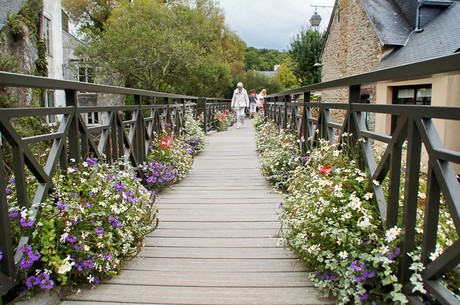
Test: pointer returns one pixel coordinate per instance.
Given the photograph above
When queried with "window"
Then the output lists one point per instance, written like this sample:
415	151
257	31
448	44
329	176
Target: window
414	95
49	102
47	34
92	118
85	74
410	95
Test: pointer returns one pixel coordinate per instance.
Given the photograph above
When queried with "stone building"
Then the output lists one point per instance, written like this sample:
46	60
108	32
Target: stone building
369	35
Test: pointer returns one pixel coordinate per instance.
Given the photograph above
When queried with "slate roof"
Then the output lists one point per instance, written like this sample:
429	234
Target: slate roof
7	8
440	37
389	21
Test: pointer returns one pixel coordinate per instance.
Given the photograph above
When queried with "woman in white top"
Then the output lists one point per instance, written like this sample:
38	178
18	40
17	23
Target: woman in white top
240	101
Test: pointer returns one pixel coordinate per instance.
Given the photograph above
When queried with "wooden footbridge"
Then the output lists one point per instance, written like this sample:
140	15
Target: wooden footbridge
216	242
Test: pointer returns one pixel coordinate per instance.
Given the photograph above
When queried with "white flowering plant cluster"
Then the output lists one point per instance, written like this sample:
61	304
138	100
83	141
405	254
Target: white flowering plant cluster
193	135
279	152
335	228
94	220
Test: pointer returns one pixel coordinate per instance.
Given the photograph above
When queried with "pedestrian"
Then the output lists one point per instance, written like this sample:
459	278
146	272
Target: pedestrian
252	103
261	99
240	101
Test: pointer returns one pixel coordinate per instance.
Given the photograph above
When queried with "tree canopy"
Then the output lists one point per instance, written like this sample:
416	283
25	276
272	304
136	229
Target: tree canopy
183	47
305	51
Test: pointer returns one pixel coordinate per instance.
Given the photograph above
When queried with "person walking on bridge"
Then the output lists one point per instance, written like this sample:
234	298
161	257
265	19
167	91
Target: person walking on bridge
240	101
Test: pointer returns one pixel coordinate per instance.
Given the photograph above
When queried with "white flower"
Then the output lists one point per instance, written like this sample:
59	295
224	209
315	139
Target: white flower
436	253
384	250
364	222
359	179
376	183
368	196
392	233
66	265
343	254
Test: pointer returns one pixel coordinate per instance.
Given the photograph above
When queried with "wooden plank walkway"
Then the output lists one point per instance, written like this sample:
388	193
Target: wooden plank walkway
216	242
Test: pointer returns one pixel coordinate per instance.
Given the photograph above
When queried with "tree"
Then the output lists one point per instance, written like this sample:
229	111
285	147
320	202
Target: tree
171	48
257	81
285	75
305	51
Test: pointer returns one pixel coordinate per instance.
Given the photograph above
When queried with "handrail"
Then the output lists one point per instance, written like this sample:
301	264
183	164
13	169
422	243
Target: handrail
442	65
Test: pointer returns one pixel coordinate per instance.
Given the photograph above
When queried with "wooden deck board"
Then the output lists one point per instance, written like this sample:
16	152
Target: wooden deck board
216	242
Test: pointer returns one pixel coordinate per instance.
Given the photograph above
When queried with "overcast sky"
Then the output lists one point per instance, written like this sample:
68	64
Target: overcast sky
272	24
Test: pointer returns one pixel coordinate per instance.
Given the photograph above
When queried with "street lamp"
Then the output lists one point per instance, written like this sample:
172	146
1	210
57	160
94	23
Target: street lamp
315	20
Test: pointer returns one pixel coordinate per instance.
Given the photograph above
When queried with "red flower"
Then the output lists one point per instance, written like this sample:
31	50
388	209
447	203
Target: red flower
166	141
325	169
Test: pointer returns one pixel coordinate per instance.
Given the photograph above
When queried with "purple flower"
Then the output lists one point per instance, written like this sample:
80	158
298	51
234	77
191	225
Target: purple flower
8	191
363	297
30	281
29	257
99	231
119	186
357	267
71	239
328	276
281	205
15	214
1	255
26	223
91	161
115	222
61	206
395	254
45	281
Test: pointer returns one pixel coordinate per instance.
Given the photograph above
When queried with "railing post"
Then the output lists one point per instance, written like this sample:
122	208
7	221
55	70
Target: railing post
6	245
304	127
205	116
286	101
74	138
411	188
139	143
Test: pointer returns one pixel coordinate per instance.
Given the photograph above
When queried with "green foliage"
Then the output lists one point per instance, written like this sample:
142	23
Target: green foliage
8	63
258	81
176	48
28	17
305	51
41	63
263	59
285	75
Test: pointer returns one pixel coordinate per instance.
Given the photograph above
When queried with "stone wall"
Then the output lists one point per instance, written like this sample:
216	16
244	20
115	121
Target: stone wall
352	47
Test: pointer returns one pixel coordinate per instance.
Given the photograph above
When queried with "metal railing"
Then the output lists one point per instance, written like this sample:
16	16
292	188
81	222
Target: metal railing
417	128
121	131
